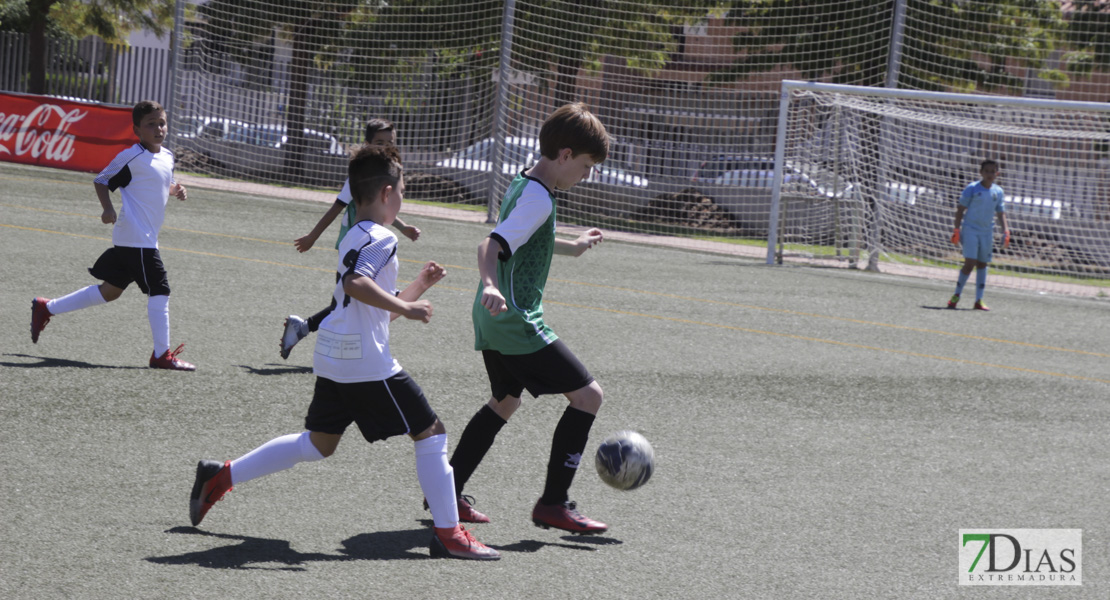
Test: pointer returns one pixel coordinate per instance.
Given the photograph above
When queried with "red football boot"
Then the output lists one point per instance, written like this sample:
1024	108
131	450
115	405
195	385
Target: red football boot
565	516
212	482
460	543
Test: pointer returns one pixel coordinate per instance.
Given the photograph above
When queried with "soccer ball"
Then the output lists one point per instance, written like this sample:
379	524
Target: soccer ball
625	460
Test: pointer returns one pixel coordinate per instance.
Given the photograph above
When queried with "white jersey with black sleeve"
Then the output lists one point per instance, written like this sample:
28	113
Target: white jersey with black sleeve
352	344
143	179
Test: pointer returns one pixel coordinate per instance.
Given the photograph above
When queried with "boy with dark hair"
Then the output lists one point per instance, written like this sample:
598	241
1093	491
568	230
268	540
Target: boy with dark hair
520	351
979	203
379	132
357	379
143	174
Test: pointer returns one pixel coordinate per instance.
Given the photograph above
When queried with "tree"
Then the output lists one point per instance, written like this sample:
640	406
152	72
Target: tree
111	20
971	46
1089	34
640	32
957	44
239	24
841	42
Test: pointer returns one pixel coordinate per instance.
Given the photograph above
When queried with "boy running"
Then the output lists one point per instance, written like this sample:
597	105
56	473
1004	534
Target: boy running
357	379
520	351
379	132
143	174
979	204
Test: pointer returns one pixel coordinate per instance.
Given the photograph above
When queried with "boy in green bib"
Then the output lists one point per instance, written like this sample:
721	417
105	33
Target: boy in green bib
520	351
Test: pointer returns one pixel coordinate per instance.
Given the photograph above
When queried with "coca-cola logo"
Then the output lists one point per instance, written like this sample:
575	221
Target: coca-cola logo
41	134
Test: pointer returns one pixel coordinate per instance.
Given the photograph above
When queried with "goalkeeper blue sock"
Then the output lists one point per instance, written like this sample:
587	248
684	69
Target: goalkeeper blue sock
960	282
980	283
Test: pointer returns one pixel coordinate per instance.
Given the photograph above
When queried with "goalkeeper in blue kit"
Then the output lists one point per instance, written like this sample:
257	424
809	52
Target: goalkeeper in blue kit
974	230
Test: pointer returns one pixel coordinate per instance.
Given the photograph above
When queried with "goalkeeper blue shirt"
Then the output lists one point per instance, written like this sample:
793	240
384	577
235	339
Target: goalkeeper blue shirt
981	204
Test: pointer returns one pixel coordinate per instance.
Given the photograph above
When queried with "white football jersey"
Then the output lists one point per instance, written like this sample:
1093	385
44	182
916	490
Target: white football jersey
352	344
143	180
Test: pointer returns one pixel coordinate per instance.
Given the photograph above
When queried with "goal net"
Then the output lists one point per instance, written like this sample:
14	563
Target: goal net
871	177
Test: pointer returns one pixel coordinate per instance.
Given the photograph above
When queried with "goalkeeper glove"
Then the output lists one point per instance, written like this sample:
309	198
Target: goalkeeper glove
1006	239
956	236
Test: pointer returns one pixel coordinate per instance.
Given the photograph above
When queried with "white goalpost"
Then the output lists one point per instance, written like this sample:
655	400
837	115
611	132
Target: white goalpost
869	177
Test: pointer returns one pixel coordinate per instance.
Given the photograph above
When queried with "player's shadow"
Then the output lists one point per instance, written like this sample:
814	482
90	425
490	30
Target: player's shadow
584	542
942	308
273	369
581	542
46	362
278	555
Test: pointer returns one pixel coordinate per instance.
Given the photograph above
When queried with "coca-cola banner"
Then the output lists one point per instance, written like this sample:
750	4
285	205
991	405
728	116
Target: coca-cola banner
50	132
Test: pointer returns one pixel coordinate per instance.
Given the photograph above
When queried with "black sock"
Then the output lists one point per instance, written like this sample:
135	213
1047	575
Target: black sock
315	320
475	441
567	446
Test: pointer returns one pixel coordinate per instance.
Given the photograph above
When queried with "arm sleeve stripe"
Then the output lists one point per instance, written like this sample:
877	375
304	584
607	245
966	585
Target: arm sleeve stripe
373	257
506	252
118	164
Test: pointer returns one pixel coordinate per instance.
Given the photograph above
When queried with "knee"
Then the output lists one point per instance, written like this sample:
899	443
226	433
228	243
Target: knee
110	292
436	428
326	451
324	443
505	407
588	399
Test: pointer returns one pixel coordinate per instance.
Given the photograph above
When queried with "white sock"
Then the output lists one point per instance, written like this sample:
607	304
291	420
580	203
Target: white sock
275	455
437	479
158	313
82	298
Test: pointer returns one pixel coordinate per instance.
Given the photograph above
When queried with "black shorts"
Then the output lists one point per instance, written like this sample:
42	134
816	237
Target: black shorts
552	370
382	409
121	265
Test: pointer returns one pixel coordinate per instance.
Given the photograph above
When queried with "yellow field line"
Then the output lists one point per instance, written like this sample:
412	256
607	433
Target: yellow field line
833	318
647	316
831	342
658	294
211	254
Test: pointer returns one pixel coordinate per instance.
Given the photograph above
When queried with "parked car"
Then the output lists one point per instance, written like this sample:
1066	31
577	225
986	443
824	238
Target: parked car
522	152
759	173
253	150
198	134
187	127
748	171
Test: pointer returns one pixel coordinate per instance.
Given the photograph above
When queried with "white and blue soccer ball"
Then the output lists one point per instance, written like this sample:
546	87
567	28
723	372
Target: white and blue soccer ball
625	460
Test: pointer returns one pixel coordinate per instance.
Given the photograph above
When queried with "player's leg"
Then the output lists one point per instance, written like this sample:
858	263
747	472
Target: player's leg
479	433
985	252
150	275
568	444
109	268
475	442
326	420
383	409
214	479
556	370
450	539
980	286
315	320
969	241
296	328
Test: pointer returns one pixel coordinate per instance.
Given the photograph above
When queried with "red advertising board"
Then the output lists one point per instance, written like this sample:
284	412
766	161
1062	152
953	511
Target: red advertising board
51	132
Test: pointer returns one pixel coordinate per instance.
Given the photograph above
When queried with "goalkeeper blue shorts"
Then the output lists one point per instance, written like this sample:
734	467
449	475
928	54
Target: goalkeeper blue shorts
978	245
